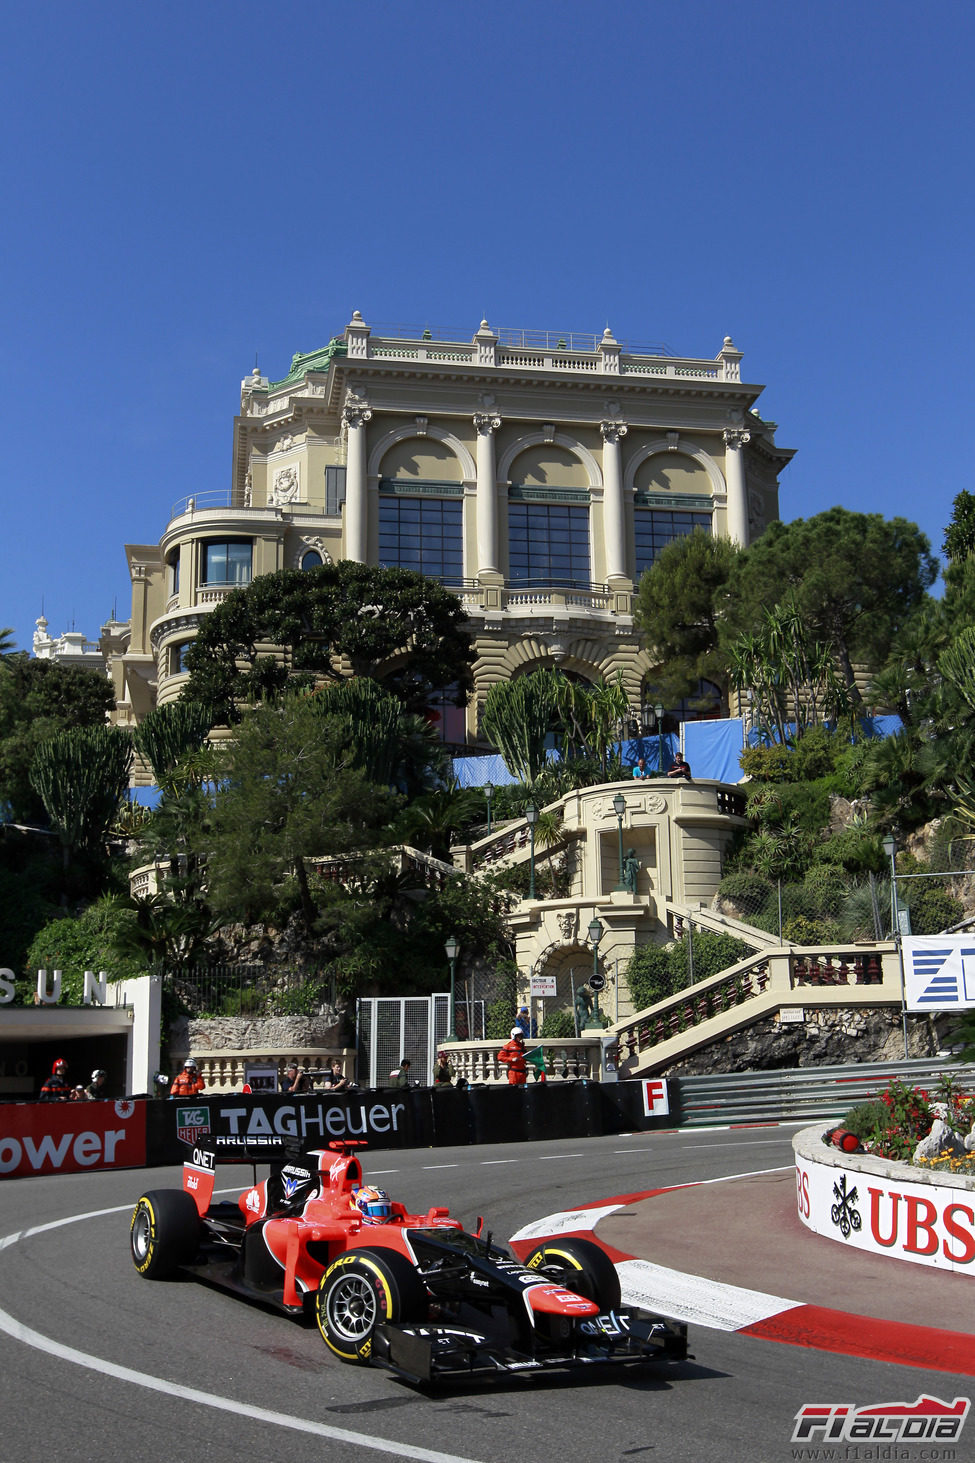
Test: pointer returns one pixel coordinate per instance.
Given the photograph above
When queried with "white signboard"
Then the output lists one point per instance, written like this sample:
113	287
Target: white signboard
939	972
543	985
656	1103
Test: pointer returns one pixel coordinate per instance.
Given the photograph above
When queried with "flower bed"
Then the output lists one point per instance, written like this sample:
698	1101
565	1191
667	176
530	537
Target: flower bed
886	1198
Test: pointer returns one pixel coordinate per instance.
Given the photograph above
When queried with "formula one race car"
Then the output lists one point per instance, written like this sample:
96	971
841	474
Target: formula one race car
410	1292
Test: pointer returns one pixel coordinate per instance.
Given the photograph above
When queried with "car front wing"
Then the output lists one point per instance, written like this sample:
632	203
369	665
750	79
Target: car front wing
423	1353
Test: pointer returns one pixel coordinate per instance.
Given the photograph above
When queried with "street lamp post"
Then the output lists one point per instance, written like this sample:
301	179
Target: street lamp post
531	813
658	712
619	808
889	846
489	794
452	948
595	935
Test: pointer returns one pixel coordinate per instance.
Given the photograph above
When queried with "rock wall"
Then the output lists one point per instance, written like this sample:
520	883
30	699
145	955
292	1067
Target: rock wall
247	1033
826	1038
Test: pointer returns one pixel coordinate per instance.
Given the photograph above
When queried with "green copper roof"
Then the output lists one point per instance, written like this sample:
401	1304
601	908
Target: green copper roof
313	360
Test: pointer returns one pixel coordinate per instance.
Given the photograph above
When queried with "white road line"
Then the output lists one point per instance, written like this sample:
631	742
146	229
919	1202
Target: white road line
495	1162
29	1337
430	1167
548	1157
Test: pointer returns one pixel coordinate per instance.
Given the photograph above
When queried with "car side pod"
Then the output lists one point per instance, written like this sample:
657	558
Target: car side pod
555	1300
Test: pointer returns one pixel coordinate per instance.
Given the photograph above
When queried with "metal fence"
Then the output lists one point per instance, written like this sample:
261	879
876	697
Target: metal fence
803	1094
390	1028
251	990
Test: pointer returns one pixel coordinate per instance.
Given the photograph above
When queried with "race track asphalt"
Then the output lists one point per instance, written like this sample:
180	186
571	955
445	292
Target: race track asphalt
744	1241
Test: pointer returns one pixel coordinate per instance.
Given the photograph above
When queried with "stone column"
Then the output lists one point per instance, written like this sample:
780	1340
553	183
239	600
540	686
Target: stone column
355	415
614	537
486	423
734	440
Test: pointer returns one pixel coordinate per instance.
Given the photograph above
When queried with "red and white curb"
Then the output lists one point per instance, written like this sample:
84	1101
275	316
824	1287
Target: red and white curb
701	1301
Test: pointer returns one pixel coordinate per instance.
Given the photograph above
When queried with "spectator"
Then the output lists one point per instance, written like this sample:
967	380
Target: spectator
295	1080
98	1086
512	1056
57	1088
641	769
401	1077
529	1027
444	1071
680	768
334	1078
188	1083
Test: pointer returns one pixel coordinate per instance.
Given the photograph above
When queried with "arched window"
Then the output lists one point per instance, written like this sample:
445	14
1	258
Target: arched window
672	498
421	510
311	559
548	519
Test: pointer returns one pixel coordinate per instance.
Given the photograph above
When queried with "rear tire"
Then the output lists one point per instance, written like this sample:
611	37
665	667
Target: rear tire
358	1291
164	1233
580	1266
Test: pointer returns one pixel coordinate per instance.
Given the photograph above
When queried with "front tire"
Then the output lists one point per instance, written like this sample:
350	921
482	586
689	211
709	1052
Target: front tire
358	1291
164	1233
580	1266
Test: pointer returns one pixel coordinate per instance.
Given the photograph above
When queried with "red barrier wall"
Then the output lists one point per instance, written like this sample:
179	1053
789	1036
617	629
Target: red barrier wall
70	1137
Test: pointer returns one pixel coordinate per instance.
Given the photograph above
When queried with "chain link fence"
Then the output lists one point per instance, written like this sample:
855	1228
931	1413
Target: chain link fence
251	990
828	907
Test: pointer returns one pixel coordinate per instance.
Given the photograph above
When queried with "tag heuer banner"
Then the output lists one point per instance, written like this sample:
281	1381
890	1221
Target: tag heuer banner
939	972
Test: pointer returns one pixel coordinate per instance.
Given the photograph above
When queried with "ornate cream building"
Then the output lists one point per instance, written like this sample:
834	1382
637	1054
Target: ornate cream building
535	475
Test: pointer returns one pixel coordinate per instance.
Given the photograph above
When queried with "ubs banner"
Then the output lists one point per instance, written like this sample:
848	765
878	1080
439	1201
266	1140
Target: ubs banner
887	1216
70	1137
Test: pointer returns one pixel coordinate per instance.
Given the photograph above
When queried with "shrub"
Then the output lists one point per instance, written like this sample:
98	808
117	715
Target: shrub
816	753
712	954
650	975
558	1025
933	909
824	888
750	892
801	930
767	764
865	1119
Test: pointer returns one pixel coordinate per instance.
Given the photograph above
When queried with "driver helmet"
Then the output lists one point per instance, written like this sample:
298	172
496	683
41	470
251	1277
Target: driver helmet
98	1072
372	1203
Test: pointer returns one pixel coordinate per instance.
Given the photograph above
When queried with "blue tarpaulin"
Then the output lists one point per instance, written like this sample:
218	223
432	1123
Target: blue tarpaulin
146	797
713	748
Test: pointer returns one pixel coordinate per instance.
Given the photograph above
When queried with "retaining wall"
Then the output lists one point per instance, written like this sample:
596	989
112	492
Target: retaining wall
885	1207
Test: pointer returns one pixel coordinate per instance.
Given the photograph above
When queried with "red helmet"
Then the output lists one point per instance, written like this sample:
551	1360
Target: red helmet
59	1063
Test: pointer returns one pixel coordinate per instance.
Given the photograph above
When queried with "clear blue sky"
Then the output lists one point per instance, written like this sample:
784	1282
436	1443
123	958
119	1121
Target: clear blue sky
186	185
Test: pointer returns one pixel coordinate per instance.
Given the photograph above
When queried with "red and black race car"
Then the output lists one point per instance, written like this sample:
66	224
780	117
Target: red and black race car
411	1292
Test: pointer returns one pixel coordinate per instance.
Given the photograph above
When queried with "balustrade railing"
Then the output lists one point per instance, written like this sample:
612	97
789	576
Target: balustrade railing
773	975
572	1059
